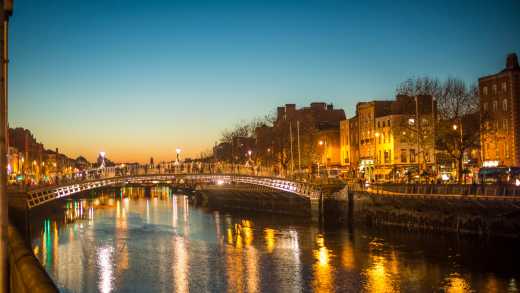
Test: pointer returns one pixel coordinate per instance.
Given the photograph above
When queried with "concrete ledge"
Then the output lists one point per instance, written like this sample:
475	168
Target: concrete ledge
25	272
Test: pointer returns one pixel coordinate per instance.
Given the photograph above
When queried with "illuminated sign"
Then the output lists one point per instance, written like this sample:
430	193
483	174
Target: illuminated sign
490	163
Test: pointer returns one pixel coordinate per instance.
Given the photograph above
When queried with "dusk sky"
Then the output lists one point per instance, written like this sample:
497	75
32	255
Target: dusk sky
140	78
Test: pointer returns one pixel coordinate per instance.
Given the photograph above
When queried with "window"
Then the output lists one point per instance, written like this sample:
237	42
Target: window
504	86
403	155
485	90
495	124
507	150
494	89
378	125
412	156
504	105
426	157
495	105
387	157
504	124
388	123
485	106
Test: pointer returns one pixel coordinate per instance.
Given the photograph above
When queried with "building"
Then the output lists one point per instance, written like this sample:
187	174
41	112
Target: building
300	138
500	115
328	149
382	143
366	113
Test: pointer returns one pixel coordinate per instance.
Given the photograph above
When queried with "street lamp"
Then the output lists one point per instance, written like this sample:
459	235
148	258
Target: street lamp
178	151
102	154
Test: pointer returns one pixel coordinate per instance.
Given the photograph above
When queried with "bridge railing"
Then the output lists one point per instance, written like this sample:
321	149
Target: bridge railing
184	168
41	195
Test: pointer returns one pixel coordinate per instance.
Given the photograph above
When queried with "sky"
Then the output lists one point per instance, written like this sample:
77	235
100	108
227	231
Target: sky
138	79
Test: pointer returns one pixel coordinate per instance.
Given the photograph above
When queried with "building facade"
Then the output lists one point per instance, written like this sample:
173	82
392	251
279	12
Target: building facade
389	140
500	115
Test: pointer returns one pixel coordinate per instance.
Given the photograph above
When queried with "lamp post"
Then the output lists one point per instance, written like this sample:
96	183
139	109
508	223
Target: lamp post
323	143
459	128
178	152
6	10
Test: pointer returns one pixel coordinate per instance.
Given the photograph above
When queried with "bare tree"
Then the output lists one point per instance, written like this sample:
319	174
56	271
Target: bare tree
458	121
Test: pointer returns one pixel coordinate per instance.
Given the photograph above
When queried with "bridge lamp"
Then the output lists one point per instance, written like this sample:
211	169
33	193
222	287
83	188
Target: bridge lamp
411	121
321	142
220	182
178	151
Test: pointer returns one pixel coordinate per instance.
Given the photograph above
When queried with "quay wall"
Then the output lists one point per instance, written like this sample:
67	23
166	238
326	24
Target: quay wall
462	215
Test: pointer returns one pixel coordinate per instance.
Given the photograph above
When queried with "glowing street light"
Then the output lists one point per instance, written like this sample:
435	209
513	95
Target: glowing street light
321	142
455	126
178	151
102	154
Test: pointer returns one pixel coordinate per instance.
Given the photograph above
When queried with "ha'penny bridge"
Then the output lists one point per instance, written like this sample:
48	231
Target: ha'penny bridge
182	177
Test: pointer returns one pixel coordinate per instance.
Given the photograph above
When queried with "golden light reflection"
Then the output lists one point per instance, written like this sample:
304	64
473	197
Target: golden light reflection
252	269
347	256
175	216
147	211
456	283
180	265
323	276
378	278
104	264
492	285
269	239
234	268
121	234
248	232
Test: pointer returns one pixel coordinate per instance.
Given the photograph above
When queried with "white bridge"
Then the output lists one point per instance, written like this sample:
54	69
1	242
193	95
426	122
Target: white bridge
40	196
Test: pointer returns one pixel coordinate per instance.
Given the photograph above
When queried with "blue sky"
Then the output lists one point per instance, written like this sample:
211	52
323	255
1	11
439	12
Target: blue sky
140	78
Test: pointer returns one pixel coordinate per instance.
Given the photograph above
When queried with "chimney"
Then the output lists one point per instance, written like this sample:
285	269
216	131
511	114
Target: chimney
512	61
330	107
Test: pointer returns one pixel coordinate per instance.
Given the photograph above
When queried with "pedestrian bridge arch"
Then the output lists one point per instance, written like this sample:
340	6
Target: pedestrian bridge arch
41	196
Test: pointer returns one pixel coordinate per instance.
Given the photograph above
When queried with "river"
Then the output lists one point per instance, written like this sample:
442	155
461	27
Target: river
121	241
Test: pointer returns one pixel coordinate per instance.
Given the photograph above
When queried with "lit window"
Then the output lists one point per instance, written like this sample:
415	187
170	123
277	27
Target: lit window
504	105
485	90
495	106
504	124
507	150
494	89
485	106
504	86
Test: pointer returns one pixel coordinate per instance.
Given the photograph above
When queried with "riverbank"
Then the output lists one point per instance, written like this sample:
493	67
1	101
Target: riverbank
490	217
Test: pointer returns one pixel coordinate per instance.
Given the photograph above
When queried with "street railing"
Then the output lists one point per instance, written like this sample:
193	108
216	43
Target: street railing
451	189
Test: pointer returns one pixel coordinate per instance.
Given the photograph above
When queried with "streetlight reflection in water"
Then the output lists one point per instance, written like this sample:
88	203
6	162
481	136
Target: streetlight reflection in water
132	240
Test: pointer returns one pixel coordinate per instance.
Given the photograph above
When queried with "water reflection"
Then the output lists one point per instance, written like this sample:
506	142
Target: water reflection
124	241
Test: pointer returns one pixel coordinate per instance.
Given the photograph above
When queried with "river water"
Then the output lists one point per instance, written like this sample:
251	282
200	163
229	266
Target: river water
121	241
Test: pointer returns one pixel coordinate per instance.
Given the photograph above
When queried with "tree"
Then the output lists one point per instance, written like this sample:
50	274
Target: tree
458	118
